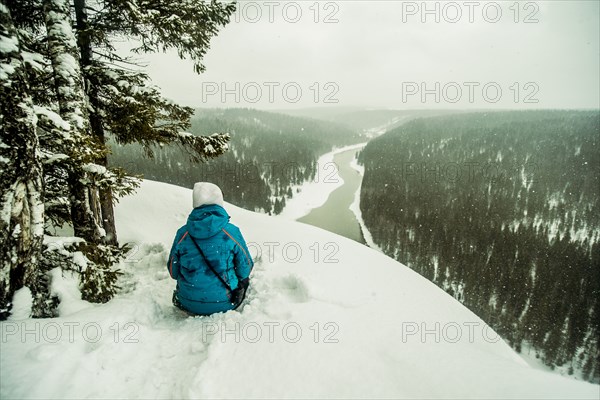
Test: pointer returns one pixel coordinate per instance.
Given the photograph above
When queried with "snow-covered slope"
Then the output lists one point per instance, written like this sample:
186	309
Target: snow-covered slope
325	317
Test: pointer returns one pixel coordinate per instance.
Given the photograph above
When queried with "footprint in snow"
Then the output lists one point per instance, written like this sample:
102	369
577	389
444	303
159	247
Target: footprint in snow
294	288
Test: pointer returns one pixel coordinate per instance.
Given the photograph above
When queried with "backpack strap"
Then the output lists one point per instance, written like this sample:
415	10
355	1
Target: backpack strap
210	265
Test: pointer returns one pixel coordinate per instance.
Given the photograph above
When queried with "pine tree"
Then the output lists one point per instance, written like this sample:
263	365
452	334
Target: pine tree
72	103
22	215
123	102
80	93
83	177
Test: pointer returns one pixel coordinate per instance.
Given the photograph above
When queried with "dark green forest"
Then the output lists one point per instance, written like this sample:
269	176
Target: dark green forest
502	211
270	154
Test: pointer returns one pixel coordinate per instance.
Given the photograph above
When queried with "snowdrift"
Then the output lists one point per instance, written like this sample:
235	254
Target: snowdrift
325	317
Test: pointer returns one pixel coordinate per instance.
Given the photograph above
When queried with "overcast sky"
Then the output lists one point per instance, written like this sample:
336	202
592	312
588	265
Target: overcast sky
380	54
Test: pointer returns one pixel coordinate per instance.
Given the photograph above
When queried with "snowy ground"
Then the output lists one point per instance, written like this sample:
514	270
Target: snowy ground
355	208
345	323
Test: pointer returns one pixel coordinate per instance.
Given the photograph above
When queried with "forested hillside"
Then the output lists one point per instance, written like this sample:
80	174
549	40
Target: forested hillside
502	210
365	119
269	155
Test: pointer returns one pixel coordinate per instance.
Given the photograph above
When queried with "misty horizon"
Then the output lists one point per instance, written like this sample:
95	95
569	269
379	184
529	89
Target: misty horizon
394	55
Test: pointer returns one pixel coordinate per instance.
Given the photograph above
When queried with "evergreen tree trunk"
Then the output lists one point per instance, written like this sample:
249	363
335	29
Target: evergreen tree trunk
85	48
22	212
72	102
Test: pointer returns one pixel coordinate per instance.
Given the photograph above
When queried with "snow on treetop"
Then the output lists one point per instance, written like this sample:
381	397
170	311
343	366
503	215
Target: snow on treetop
95	169
8	44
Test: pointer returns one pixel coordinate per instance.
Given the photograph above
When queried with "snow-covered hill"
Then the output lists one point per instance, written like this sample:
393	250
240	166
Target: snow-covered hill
325	317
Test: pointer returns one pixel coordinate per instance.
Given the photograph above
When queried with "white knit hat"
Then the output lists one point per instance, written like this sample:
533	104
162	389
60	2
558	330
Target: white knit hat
207	193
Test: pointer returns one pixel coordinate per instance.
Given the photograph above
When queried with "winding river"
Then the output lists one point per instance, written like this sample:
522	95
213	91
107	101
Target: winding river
334	215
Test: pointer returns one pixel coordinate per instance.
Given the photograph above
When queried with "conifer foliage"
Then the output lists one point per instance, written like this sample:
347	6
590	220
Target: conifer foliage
22	210
65	92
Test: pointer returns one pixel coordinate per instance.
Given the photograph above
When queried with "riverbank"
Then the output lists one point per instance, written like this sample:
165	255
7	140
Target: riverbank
335	215
326	204
314	194
355	208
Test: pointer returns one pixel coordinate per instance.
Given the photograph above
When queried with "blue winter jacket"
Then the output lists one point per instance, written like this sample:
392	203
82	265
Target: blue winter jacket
199	290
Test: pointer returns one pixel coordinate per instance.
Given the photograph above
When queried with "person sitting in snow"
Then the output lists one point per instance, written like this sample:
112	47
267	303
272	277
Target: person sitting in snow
209	257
